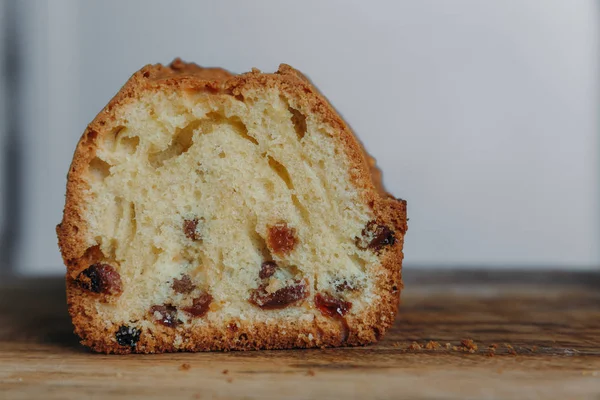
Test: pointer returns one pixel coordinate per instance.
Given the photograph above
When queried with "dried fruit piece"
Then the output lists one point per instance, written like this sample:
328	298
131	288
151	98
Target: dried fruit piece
127	336
165	314
190	228
267	269
280	298
200	305
331	306
183	285
375	237
345	286
281	239
232	327
100	278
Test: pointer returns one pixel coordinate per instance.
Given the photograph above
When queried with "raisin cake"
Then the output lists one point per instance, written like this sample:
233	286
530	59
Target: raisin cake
212	211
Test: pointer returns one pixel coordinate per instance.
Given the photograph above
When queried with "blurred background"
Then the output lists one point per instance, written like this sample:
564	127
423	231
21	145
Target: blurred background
483	115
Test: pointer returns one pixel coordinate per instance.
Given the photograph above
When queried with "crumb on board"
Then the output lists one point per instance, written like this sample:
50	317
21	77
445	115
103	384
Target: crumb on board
432	345
310	372
493	346
448	346
414	346
185	367
534	349
511	350
396	344
468	345
229	380
225	371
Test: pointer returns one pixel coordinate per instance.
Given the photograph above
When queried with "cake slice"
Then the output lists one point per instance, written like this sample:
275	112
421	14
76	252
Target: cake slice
211	211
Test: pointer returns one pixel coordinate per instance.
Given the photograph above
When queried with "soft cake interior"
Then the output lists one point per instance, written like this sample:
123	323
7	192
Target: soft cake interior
211	207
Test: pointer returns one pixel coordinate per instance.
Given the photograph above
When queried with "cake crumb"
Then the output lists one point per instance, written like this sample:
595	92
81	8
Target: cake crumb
454	348
448	346
432	345
414	346
229	380
310	372
225	371
493	346
469	345
534	349
185	367
396	344
511	350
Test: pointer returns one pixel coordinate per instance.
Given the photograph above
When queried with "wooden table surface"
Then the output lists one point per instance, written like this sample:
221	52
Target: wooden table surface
543	328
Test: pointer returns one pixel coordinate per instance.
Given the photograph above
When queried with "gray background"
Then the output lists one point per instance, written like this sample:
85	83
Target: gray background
482	114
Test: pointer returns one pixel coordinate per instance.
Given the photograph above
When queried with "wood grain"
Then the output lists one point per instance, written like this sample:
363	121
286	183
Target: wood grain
545	325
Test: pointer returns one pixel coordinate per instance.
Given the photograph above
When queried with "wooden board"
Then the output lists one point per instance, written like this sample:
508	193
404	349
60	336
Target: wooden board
545	325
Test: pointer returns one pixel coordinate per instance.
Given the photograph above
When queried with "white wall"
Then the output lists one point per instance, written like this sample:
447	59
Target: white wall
483	115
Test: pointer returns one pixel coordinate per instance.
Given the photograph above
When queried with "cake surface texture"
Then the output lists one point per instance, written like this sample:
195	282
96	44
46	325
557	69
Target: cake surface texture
212	211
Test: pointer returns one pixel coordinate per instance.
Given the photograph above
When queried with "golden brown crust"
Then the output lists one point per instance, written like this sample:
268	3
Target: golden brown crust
78	253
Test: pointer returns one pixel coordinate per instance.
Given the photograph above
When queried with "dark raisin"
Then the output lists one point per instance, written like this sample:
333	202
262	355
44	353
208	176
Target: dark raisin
375	237
280	298
331	306
281	239
232	327
127	336
183	285
199	306
100	278
190	229
345	286
267	269
165	314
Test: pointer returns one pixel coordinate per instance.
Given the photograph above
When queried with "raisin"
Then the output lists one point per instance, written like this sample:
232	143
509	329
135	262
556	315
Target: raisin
167	314
232	327
199	306
100	278
331	306
190	229
183	285
375	237
345	286
281	239
280	298
267	269
127	336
